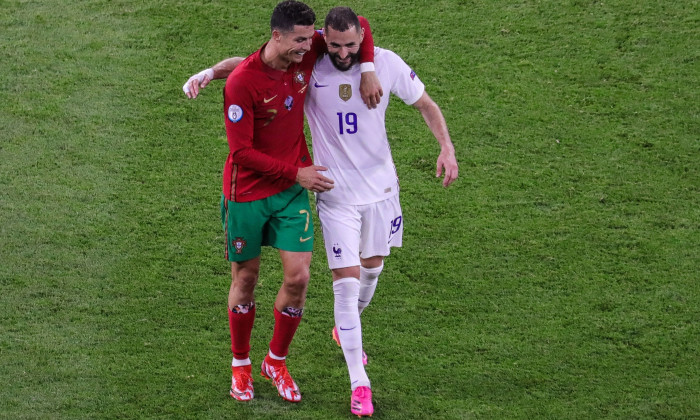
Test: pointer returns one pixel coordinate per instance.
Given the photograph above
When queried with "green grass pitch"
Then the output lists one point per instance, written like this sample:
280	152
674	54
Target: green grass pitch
556	279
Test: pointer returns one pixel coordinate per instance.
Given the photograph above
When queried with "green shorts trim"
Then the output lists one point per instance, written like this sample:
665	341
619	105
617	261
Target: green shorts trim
282	221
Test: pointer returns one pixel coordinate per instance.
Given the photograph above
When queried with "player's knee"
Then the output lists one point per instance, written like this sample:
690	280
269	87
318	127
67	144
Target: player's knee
245	281
341	273
372	262
297	281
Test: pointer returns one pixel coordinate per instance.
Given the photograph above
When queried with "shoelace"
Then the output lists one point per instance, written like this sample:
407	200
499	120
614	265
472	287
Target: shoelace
243	378
285	377
360	393
282	373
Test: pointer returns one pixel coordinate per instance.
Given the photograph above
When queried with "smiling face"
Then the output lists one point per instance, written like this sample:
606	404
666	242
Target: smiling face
292	26
287	47
343	46
293	45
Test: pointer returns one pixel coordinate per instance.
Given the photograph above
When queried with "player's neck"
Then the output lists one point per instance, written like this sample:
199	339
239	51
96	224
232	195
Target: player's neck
273	58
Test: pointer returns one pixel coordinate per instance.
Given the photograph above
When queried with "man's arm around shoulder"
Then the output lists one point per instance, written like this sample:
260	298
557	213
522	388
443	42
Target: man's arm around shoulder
220	70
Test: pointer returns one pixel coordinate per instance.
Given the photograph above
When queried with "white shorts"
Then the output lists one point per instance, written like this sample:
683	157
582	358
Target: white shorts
351	232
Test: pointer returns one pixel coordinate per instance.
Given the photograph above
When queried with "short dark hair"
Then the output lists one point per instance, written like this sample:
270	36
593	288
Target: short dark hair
341	19
289	13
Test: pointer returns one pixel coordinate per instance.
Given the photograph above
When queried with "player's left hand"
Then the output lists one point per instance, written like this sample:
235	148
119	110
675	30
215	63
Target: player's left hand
447	162
370	89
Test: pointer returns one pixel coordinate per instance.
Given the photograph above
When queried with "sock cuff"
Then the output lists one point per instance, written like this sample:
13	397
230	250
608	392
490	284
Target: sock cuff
290	312
243	308
345	280
346	292
375	270
240	362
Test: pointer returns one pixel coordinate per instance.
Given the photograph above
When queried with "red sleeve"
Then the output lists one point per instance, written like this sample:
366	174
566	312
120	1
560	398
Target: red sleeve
367	45
239	100
318	44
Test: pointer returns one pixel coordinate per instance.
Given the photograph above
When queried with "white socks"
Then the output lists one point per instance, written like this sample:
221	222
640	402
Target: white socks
236	363
368	282
347	321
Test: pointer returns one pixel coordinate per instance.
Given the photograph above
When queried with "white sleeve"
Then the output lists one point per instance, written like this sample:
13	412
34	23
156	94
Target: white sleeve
406	84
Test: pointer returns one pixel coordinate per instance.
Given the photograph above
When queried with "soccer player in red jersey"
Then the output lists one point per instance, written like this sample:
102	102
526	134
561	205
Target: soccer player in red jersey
266	176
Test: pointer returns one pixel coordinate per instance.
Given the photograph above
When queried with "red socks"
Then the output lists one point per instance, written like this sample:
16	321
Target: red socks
241	325
285	327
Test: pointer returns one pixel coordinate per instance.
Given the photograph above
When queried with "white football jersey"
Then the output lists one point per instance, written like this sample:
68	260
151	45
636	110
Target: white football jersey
349	139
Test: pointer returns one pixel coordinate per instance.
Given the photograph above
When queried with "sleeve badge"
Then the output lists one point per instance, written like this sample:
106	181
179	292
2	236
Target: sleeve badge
234	113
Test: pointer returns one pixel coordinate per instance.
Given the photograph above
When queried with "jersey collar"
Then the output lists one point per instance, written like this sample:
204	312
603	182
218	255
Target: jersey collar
269	71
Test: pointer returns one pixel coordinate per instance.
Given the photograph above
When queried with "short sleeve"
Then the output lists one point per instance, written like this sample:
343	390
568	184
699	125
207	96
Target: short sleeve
406	84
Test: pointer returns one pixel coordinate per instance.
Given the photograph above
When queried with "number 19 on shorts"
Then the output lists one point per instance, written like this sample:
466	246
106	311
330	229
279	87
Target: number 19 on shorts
347	123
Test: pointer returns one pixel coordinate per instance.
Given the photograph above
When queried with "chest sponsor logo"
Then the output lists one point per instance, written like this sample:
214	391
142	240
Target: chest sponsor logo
345	92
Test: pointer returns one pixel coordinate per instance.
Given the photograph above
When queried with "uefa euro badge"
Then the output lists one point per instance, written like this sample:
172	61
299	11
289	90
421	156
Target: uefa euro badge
345	92
235	113
239	243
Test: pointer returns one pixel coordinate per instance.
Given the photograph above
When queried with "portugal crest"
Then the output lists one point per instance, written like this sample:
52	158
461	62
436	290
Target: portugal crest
299	77
239	244
345	92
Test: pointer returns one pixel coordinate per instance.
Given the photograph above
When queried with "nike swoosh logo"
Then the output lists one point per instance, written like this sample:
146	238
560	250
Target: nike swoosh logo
304	239
265	100
348	329
318	86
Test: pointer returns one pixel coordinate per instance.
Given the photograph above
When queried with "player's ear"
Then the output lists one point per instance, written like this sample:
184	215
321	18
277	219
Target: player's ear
362	34
276	35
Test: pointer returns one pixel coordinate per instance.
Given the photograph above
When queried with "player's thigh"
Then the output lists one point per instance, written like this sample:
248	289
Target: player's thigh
290	227
341	226
243	224
382	227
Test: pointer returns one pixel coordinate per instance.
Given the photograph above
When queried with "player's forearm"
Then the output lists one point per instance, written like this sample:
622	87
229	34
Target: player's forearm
438	126
263	164
223	68
367	44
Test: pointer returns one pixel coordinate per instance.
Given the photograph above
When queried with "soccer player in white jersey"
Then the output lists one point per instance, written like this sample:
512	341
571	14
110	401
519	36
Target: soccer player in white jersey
361	216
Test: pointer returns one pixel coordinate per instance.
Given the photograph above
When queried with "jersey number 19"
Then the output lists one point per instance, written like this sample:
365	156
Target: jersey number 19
347	124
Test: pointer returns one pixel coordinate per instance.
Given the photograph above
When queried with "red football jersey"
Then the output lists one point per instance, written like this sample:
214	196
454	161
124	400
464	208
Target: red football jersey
264	115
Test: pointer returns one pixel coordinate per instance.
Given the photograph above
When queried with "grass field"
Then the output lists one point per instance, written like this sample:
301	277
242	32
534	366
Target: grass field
556	279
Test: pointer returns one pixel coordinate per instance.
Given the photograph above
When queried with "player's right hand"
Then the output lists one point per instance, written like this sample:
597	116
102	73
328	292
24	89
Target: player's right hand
199	80
312	180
